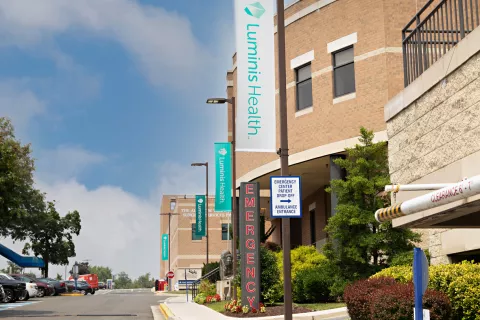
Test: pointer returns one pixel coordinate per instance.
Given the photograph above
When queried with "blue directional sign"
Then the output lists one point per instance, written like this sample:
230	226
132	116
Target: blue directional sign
420	281
286	197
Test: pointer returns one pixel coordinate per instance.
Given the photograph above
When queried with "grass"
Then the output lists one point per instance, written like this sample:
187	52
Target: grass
219	306
323	306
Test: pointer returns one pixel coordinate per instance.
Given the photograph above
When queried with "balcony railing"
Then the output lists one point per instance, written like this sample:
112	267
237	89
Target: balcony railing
434	30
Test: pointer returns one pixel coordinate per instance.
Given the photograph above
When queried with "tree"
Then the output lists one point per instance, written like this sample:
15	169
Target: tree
123	281
20	202
11	268
51	237
103	273
358	245
59	276
144	281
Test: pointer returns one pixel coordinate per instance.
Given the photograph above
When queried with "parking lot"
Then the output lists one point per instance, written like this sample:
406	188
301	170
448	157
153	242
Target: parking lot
105	304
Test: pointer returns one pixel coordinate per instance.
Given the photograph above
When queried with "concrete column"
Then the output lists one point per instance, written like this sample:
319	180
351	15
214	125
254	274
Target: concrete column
335	173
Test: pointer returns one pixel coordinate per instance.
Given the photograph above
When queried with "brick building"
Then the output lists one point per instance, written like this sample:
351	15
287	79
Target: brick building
344	63
186	249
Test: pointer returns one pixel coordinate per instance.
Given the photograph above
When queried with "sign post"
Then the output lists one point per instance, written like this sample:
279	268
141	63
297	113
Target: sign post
200	228
286	197
223	177
165	247
249	215
420	281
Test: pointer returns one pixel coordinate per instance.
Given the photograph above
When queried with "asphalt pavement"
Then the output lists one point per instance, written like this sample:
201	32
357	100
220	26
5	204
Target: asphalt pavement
130	304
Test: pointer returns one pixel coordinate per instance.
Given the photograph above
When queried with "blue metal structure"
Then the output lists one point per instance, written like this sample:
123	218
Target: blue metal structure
21	261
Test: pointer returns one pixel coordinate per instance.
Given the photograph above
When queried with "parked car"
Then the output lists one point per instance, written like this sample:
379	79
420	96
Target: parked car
83	286
43	288
59	286
2	293
32	289
13	289
101	285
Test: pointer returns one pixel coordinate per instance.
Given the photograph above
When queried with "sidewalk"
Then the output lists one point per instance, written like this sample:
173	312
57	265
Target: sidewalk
178	308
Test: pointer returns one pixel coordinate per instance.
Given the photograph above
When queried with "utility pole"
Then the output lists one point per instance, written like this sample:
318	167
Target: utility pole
283	153
173	204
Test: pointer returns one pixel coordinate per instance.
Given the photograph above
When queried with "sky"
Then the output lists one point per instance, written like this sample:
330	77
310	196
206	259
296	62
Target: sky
111	94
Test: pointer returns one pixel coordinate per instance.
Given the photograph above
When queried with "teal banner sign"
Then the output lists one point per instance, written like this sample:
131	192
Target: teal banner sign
200	217
223	177
164	246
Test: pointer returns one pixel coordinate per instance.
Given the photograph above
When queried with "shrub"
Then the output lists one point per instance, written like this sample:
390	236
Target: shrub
396	302
207	288
402	274
464	292
406	259
312	285
200	298
209	267
273	294
303	257
359	294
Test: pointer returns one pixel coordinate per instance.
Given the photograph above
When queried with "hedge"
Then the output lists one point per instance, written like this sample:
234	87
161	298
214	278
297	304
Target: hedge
460	282
302	257
312	285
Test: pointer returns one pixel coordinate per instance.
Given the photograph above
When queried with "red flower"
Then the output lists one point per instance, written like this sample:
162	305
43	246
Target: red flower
254	310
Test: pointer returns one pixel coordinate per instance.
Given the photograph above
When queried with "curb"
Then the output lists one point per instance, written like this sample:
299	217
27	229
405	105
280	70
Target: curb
167	313
71	294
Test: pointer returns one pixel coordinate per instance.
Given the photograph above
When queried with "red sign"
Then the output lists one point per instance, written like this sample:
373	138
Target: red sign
250	242
170	275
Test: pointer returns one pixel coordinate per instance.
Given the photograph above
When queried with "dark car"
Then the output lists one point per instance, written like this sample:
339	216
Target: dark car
43	288
59	286
82	286
13	289
101	285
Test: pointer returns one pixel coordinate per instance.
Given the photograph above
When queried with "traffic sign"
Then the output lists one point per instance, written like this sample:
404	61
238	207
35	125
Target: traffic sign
286	197
170	275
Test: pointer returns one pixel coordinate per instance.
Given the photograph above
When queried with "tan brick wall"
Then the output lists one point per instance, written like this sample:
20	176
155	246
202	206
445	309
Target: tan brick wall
185	252
378	78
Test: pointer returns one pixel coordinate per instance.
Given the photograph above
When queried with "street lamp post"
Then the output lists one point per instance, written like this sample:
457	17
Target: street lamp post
173	203
234	183
206	197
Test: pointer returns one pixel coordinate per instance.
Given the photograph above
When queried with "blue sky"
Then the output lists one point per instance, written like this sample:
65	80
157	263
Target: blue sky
111	94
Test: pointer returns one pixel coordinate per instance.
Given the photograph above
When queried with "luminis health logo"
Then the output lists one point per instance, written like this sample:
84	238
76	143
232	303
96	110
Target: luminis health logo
222	152
200	200
255	10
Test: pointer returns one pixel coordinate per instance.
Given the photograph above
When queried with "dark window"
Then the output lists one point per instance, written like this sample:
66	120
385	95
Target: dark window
312	226
194	236
304	87
225	231
343	72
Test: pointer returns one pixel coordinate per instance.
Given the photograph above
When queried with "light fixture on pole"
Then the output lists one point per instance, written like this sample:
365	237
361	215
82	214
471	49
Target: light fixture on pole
205	164
173	204
234	182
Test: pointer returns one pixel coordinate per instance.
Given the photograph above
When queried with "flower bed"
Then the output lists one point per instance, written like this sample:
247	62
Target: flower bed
235	309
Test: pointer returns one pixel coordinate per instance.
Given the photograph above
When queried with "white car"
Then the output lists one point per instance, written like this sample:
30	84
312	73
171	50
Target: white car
31	287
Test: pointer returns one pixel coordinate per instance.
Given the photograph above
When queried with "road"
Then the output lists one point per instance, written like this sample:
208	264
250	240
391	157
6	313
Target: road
133	304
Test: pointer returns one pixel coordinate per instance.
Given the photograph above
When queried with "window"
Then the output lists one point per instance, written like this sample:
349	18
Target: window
194	236
304	87
312	226
225	231
343	72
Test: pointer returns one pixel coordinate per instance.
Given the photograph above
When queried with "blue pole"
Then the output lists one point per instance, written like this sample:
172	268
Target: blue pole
418	282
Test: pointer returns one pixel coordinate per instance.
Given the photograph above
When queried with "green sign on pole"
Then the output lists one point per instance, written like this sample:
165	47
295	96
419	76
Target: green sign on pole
164	246
200	216
223	177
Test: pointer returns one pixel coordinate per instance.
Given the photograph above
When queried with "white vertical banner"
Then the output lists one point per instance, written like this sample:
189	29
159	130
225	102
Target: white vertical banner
256	121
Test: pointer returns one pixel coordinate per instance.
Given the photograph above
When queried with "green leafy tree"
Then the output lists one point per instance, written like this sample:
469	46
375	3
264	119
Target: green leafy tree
144	281
358	245
59	276
20	202
103	273
52	236
11	268
123	281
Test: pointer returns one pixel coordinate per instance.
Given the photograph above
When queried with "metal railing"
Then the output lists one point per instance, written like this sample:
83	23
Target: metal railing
434	30
211	275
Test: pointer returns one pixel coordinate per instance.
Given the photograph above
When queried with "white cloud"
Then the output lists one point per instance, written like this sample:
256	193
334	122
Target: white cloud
19	104
162	42
119	229
65	162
